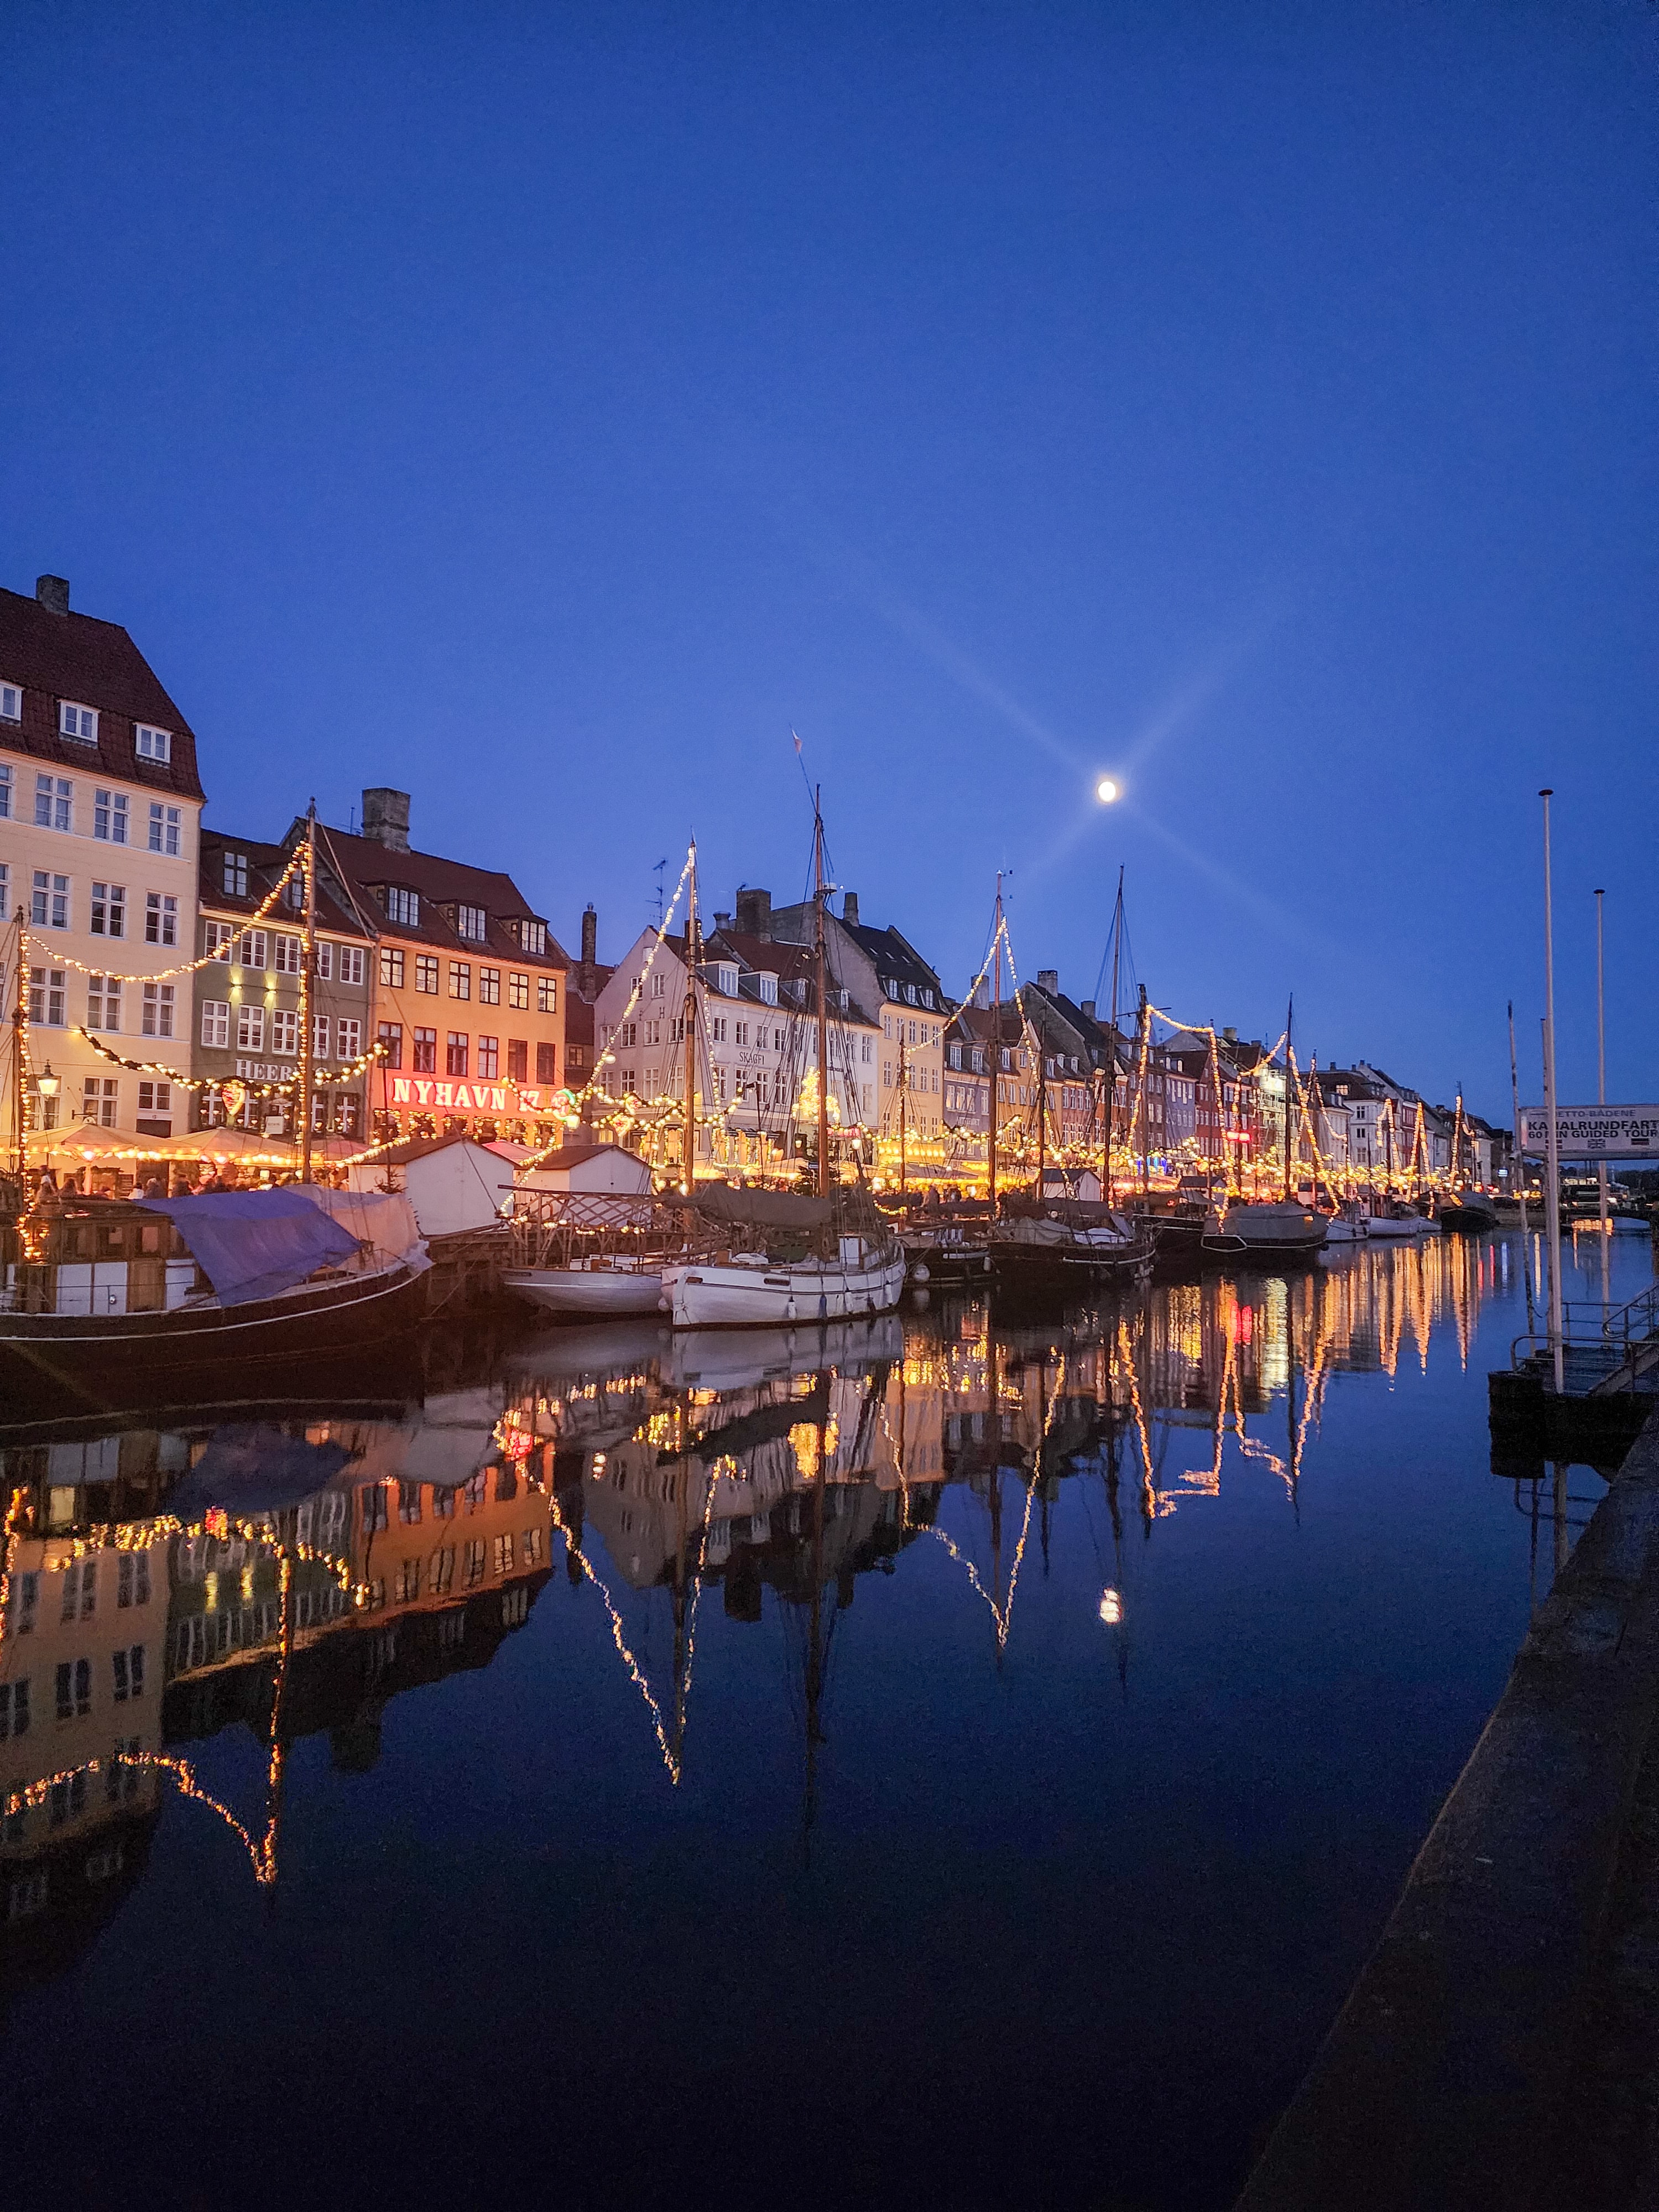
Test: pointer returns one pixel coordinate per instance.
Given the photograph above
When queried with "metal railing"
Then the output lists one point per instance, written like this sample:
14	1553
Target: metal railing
1602	1337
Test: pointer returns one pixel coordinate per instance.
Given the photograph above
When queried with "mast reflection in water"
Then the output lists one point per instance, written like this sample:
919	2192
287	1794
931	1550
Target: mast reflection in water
524	1733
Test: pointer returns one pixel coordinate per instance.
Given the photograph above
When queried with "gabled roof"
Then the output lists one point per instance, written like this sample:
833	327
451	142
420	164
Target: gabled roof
365	865
893	955
415	1148
265	864
95	664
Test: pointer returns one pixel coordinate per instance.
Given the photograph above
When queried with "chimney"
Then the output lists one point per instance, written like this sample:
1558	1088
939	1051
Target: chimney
52	592
386	818
755	913
590	936
1049	979
1088	1009
849	909
722	921
1229	1034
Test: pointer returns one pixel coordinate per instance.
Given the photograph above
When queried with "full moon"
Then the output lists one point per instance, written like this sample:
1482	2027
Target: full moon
1105	791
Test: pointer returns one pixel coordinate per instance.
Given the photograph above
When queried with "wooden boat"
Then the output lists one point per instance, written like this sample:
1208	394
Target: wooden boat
1349	1225
592	1256
1045	1255
1278	1230
1468	1210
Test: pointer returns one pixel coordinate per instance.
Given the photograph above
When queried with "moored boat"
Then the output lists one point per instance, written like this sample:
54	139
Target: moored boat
1280	1230
1468	1210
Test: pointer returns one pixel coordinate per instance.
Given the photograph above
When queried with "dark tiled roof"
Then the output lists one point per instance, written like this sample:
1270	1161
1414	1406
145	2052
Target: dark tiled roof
96	664
365	863
893	956
265	864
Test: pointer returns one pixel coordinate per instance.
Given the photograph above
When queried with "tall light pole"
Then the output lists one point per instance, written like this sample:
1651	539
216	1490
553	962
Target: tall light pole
1552	1135
1601	1090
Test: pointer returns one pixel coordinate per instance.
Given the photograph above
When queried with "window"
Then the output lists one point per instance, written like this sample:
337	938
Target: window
440	1571
25	1596
5	793
426	972
544	1064
716	1029
5	890
504	1554
287	950
518	1060
157	1020
235	878
80	723
153	744
390	1037
13	1709
518	990
109	910
11	702
46	996
129	1670
250	1027
489	987
49	908
162	919
391	967
163	827
98	1101
322	1030
455	1052
325	960
218	940
251	949
216	1024
469	922
103	1002
284	1032
109	815
474	1562
740	1033
460	979
294	891
424	1044
547	995
402	906
51	802
73	1689
768	990
350	963
531	935
490	1058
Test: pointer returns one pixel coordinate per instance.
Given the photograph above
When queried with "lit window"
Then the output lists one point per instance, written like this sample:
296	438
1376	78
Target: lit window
153	744
489	987
517	989
547	995
424	1049
426	972
163	827
455	1052
391	967
460	979
490	1058
80	723
390	1035
470	923
401	906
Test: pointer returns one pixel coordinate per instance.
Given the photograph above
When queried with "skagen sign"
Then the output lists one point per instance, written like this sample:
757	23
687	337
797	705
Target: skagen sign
1595	1133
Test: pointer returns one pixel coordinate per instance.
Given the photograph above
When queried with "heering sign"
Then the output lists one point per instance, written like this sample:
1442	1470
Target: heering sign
1594	1132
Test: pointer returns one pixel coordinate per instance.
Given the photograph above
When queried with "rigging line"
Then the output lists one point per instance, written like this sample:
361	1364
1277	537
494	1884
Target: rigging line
618	1637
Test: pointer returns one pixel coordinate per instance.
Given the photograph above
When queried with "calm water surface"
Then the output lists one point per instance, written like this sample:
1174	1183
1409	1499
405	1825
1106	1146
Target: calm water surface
967	1757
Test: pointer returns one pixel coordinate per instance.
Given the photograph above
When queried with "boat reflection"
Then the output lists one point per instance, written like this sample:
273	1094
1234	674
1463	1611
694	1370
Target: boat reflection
293	1574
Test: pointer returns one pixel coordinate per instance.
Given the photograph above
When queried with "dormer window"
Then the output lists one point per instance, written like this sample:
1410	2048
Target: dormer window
234	880
926	997
11	702
401	906
471	922
153	744
532	935
726	979
953	1053
892	989
769	988
910	994
80	723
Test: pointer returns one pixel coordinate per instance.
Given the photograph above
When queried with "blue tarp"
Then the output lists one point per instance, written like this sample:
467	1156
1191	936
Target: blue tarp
252	1243
251	1467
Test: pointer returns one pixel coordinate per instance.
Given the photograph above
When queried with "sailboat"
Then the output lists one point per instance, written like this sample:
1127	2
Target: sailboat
1279	1229
100	1293
798	1257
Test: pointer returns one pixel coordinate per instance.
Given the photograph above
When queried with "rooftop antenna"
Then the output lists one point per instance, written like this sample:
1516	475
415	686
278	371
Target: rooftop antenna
661	866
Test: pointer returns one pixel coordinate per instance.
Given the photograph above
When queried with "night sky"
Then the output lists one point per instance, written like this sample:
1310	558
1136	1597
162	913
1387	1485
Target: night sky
545	408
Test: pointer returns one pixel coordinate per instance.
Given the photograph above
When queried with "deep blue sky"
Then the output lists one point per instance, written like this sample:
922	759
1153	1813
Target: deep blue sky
546	407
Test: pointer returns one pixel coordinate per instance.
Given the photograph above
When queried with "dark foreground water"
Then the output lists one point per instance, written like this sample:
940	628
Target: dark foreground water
963	1762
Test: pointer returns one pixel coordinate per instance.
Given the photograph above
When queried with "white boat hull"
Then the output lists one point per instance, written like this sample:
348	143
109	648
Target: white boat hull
1343	1231
704	1295
589	1291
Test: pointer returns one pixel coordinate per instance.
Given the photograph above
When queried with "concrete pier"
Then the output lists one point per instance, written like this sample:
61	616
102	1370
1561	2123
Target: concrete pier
1501	2048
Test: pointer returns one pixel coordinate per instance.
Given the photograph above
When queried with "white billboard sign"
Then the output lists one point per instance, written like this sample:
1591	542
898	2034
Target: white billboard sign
1595	1133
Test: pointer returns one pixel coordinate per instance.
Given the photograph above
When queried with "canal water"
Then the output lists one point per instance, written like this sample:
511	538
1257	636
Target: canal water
962	1759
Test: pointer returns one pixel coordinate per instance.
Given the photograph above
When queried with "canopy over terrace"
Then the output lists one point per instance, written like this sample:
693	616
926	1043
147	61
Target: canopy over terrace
86	1144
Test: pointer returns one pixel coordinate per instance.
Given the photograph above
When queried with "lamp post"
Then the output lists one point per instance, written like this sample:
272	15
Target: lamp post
1601	1091
1552	1135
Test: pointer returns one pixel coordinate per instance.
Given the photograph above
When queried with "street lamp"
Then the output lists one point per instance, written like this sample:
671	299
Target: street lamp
46	1083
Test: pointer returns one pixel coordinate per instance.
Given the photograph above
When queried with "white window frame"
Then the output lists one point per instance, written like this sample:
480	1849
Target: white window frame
73	720
215	1025
250	1026
11	702
151	744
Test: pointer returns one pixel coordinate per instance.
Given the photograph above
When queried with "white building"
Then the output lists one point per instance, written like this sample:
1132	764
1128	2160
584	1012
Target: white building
100	815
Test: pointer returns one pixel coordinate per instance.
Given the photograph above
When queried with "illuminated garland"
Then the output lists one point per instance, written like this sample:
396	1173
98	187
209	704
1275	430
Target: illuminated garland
376	1051
163	975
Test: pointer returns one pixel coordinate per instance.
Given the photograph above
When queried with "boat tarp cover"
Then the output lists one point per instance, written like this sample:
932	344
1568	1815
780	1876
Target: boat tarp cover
253	1467
766	1209
255	1243
384	1220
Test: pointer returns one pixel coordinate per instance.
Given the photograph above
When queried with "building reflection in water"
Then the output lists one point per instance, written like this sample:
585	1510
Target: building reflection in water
295	1577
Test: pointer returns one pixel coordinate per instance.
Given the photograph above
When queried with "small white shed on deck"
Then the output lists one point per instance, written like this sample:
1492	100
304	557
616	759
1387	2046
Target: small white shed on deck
452	1184
608	1168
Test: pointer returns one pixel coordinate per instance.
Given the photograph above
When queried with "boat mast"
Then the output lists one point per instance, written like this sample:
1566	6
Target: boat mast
1290	1013
1043	1100
307	1027
689	1151
902	1070
1111	1035
18	1016
1142	1057
996	1045
823	1007
1520	1156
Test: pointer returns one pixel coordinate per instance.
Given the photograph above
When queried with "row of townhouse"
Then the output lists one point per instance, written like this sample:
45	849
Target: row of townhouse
157	962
